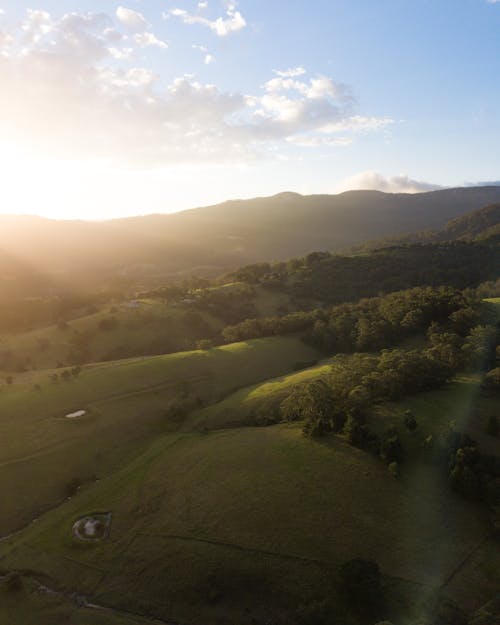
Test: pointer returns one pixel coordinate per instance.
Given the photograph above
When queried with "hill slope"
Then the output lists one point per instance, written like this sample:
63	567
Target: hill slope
225	235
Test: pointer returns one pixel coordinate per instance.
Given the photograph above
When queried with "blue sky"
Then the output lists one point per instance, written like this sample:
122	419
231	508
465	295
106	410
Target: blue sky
158	106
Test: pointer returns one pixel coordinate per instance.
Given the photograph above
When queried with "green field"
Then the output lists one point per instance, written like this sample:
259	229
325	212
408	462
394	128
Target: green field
128	403
248	405
140	327
216	521
203	524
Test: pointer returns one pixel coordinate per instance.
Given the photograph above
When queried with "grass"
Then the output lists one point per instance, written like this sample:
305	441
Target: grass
203	523
461	405
217	525
31	607
249	404
137	331
127	401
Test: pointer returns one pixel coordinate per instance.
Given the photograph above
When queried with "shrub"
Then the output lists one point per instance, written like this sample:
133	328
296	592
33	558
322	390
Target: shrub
410	421
393	470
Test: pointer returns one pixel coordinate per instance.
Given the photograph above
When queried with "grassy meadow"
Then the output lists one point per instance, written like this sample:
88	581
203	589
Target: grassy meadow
128	403
216	521
203	523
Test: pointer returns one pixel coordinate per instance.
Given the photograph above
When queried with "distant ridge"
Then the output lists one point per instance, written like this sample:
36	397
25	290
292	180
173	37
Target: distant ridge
216	238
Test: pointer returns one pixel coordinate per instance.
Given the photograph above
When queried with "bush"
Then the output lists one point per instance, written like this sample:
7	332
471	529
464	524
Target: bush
391	449
410	421
393	470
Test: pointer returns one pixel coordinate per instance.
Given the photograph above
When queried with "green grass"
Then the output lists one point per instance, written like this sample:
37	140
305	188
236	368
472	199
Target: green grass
248	405
127	402
206	524
137	331
31	607
461	405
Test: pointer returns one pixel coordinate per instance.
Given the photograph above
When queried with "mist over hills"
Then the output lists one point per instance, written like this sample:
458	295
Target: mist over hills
212	239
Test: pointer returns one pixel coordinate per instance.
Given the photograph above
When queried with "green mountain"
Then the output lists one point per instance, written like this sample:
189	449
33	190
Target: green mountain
210	240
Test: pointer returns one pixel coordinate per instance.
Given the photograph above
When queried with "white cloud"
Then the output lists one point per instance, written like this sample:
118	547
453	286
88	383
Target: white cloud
357	123
36	25
222	26
92	105
112	35
121	54
316	141
145	40
208	58
132	20
492	1
203	4
290	73
372	180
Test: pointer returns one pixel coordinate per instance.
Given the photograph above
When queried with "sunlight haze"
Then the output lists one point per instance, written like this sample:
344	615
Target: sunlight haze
113	109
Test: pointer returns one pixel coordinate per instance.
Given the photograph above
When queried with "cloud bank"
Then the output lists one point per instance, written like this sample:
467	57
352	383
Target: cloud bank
222	26
372	180
94	101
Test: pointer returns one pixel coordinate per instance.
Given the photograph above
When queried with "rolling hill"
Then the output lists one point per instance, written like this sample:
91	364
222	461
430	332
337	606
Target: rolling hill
214	238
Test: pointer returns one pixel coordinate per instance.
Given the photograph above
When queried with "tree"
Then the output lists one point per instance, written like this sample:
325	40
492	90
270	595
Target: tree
479	347
410	421
492	380
391	449
393	470
353	432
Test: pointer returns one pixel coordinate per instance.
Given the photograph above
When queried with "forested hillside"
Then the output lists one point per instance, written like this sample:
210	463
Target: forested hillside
75	255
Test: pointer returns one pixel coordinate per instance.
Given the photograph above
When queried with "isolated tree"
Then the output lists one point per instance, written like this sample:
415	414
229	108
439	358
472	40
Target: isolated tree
410	421
393	470
391	449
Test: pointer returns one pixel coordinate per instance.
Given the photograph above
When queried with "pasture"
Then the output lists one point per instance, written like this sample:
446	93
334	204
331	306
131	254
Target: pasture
204	524
128	403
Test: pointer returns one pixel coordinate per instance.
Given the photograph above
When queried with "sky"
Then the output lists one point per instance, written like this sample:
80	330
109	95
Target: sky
110	109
